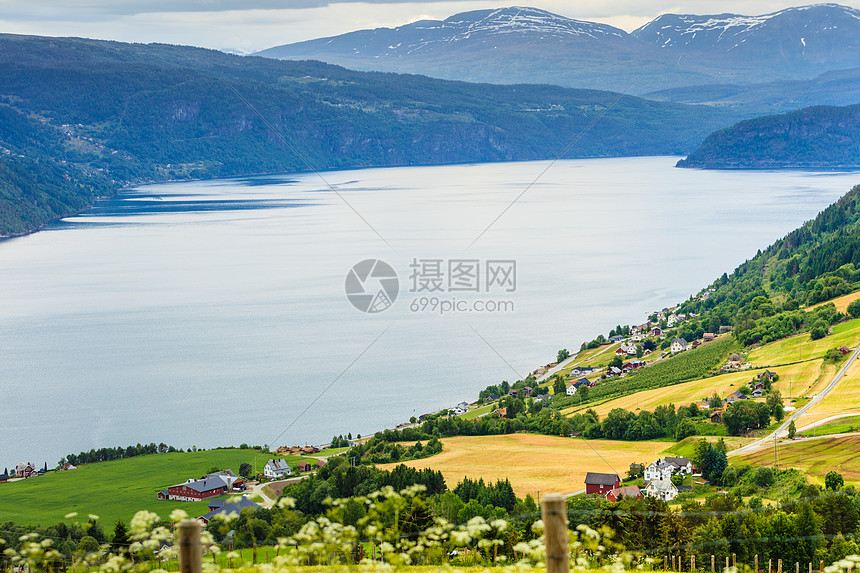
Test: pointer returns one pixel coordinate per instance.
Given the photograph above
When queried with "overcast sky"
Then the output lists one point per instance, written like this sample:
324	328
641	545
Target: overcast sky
249	25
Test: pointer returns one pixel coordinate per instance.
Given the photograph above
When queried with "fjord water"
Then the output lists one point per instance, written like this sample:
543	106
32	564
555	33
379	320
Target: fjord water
213	313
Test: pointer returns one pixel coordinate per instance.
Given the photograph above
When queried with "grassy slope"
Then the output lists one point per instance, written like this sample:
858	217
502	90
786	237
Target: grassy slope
797	378
815	456
534	462
841	302
117	489
800	347
845	396
803	379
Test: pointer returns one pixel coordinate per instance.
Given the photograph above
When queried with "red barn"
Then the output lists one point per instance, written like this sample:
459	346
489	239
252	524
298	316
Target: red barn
197	490
597	483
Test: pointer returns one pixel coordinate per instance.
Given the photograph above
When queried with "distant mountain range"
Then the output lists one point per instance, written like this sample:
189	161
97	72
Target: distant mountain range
528	45
815	137
81	118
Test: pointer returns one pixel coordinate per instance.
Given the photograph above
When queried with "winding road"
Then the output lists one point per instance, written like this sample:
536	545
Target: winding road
783	428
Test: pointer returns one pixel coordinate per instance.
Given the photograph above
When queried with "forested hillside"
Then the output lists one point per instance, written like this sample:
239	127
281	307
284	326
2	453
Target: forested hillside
761	299
81	118
813	137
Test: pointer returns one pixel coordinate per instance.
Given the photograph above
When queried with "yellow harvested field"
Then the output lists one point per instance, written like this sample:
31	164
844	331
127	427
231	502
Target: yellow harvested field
800	347
845	396
803	379
841	302
534	462
815	457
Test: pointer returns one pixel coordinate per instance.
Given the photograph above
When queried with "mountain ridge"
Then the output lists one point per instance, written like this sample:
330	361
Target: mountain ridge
814	137
529	45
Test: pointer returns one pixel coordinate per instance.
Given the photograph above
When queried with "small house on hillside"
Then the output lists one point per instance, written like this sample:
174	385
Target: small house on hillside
661	489
678	345
600	483
735	396
224	508
716	416
766	374
305	466
26	470
4	477
629	492
681	465
708	336
659	470
276	469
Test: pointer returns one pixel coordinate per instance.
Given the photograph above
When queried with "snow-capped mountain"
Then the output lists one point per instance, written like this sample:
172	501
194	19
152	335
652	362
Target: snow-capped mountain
528	45
503	25
817	33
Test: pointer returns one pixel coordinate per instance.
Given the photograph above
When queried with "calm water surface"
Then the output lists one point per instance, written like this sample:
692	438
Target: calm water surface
213	313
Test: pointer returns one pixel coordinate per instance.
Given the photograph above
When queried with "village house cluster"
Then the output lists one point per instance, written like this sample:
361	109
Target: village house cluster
657	480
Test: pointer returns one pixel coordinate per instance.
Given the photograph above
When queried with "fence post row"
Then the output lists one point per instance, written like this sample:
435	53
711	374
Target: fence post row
554	514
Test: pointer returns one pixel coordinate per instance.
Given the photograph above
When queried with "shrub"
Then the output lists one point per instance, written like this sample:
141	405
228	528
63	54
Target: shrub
763	477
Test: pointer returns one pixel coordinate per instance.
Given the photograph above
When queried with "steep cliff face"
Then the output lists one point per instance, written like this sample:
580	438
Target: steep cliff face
813	137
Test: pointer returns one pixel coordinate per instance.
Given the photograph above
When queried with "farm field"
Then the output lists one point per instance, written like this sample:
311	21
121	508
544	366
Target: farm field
799	347
841	302
117	489
815	456
600	356
687	446
802	379
845	396
535	462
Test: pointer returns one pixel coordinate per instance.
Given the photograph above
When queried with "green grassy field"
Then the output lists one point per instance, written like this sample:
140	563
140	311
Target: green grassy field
472	414
815	456
117	489
840	426
800	347
331	451
687	446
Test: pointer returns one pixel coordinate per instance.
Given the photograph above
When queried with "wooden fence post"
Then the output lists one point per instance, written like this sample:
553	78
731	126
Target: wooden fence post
693	562
797	567
770	566
779	566
713	563
673	563
554	514
727	561
821	566
190	550
734	560
755	563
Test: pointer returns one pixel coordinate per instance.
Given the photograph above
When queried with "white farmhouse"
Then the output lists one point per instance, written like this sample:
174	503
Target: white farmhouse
679	345
275	469
661	489
658	471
